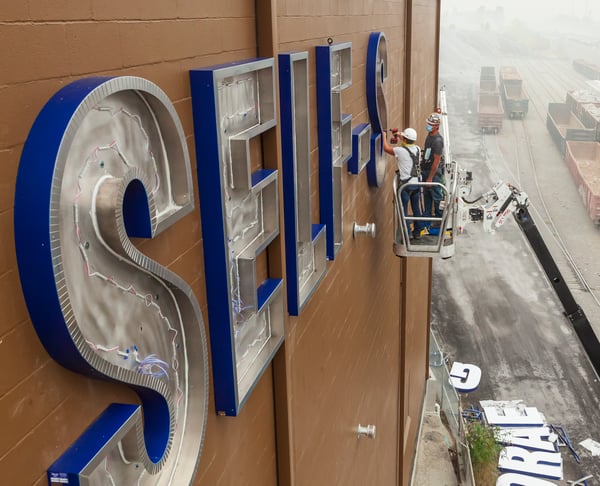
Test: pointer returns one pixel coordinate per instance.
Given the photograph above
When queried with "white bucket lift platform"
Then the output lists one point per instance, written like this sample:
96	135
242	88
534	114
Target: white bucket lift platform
437	240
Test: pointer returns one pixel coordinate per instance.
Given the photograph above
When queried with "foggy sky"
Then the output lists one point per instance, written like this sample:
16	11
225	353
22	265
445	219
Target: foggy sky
524	9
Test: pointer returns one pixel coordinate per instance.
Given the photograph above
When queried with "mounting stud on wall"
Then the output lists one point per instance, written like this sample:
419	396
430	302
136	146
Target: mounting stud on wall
367	229
366	431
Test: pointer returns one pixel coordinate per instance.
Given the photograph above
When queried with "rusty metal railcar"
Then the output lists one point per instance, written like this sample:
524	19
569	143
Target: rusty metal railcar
588	69
487	79
583	161
575	128
514	97
489	112
564	126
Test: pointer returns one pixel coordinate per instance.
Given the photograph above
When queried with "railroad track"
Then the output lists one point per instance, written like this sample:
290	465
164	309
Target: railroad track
523	171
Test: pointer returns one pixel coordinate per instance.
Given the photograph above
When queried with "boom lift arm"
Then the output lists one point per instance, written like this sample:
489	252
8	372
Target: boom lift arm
492	209
500	202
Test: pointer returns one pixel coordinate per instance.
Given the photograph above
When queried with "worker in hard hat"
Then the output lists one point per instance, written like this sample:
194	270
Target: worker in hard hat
408	156
432	169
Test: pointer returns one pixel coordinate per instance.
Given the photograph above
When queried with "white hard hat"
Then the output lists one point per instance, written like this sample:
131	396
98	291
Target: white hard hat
410	134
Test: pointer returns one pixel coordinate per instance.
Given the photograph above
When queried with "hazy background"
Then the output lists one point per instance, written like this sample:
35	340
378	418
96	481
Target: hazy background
582	9
581	17
541	39
552	28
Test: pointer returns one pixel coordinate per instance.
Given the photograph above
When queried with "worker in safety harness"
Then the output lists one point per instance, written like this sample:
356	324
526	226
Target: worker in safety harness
432	169
408	156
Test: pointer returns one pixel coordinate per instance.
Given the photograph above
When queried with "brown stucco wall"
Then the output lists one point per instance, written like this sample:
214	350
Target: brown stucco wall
423	61
356	354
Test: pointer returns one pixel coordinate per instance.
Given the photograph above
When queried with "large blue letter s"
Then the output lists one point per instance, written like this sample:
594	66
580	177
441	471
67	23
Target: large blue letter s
376	75
106	160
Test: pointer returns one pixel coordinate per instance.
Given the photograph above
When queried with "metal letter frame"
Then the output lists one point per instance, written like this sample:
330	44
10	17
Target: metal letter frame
233	104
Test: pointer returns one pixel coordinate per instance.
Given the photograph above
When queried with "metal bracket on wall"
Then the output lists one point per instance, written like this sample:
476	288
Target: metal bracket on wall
367	229
366	431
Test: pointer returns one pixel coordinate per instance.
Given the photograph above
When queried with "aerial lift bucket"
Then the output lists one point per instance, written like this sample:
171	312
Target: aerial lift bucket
438	241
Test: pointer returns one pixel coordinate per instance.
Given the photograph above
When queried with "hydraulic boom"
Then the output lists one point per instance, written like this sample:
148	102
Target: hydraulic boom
504	200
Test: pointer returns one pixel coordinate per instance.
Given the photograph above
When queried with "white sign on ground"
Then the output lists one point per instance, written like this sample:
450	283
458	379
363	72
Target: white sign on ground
592	446
531	454
512	479
531	438
464	377
511	414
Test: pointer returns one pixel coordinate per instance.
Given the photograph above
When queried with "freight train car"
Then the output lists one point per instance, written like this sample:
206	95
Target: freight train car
564	126
575	128
583	161
590	117
577	99
489	112
588	69
487	79
514	98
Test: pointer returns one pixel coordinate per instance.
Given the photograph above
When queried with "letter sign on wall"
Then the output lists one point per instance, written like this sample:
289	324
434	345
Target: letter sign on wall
361	148
304	242
233	105
334	74
376	75
106	160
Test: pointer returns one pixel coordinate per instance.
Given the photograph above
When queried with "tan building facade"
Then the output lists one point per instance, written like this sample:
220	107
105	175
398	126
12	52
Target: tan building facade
358	351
